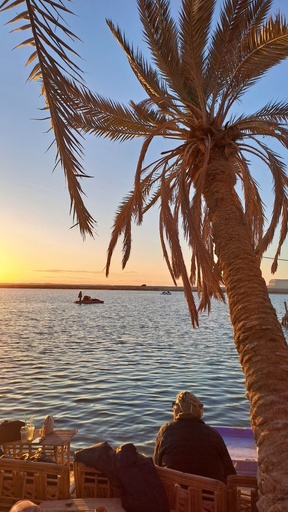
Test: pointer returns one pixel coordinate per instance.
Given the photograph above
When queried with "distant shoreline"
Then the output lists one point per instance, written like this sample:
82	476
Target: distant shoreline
93	287
271	289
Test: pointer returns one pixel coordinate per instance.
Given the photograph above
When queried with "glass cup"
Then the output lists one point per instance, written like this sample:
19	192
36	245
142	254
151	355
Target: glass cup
31	429
27	433
24	431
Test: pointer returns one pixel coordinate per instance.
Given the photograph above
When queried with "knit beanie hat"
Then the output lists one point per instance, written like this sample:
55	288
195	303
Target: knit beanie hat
189	404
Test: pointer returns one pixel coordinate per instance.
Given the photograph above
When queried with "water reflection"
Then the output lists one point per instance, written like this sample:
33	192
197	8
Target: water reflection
112	370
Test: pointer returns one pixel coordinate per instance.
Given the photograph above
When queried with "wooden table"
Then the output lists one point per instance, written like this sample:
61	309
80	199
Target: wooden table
56	445
83	505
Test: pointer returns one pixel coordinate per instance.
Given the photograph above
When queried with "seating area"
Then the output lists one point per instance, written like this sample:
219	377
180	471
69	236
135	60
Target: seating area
35	481
39	470
185	492
48	483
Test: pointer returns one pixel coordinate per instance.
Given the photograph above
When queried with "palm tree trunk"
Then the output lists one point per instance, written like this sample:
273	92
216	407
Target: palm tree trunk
258	337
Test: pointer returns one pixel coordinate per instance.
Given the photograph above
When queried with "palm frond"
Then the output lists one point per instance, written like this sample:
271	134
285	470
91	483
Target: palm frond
44	20
108	118
150	80
264	47
195	22
261	49
235	19
55	69
199	237
162	38
169	231
122	225
280	180
272	112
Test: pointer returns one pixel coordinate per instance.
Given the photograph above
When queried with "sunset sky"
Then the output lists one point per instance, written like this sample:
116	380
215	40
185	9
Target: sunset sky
37	244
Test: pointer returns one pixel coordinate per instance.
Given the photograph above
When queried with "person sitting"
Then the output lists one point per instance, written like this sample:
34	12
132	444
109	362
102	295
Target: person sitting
187	444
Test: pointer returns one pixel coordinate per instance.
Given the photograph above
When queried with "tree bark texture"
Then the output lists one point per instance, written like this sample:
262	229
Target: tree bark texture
258	336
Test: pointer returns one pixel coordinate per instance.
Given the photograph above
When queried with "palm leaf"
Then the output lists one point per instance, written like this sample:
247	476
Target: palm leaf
122	225
235	19
57	72
169	231
147	76
107	118
195	21
261	49
161	35
277	168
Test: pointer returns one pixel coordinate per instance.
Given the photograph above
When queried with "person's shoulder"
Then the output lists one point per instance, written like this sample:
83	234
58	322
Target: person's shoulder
168	425
214	433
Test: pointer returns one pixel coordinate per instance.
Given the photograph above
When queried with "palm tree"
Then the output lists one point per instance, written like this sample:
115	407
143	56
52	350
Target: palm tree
198	71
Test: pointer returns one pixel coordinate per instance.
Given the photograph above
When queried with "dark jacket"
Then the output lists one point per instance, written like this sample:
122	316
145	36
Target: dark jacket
189	445
132	472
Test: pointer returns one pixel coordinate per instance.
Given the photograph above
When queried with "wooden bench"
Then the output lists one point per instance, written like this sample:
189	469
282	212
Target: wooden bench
35	481
90	483
242	493
192	493
185	492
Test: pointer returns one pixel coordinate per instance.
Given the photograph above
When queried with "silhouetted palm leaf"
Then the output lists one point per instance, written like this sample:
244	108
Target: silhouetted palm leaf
55	68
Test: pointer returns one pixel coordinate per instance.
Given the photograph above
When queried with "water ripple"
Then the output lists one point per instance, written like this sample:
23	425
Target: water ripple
111	371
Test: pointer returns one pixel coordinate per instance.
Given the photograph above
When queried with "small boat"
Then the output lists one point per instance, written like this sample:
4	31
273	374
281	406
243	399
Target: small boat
88	300
166	293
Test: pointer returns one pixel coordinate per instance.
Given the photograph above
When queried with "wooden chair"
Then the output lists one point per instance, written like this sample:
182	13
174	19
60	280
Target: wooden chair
192	493
35	481
242	492
90	483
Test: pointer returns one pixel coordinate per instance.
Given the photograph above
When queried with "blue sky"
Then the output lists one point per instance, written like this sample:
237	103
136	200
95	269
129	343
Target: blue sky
37	244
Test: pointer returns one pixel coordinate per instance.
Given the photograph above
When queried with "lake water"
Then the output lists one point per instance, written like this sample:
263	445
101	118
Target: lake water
112	370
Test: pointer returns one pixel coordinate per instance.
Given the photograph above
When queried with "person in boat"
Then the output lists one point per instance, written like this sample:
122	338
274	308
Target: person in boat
80	296
187	444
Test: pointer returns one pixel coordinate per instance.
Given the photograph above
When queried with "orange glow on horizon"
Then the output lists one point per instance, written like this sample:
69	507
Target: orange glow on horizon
27	267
